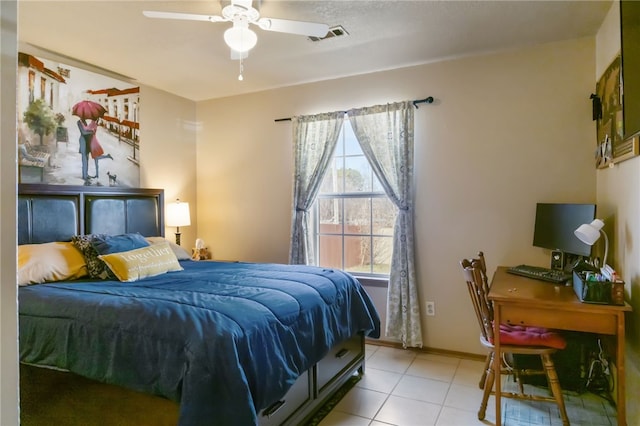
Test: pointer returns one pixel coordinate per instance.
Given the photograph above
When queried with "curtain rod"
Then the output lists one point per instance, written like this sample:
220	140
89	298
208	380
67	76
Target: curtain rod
427	100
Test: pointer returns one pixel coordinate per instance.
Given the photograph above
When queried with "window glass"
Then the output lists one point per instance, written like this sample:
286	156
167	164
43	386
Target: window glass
357	174
330	212
349	140
357	254
353	218
384	216
357	215
333	182
382	251
331	254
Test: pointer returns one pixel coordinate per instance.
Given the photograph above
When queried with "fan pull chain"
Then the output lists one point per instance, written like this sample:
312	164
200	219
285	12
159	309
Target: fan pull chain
240	77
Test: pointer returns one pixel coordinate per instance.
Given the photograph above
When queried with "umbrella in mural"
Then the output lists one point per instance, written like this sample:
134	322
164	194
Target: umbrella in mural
88	110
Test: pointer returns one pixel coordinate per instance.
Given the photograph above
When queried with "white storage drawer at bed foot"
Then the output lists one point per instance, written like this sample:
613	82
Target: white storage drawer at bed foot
280	410
340	356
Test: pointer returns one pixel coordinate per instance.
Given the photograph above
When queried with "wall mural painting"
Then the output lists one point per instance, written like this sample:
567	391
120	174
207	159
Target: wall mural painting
76	127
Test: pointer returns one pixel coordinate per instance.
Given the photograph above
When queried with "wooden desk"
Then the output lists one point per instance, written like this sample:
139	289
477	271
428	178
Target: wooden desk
524	301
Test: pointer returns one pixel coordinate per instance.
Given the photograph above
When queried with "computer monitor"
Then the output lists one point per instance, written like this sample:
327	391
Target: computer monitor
555	223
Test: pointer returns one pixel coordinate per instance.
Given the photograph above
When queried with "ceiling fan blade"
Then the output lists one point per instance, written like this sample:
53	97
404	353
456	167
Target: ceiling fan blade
293	27
183	16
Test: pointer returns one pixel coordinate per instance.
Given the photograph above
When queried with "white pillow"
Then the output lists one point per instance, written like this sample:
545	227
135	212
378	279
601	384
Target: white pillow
181	254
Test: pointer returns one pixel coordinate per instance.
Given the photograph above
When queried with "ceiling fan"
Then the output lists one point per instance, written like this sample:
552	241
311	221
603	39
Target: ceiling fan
241	13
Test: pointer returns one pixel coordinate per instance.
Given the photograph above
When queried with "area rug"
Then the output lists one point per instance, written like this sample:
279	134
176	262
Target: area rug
333	401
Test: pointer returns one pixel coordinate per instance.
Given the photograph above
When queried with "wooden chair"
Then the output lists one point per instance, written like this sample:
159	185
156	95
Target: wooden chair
513	340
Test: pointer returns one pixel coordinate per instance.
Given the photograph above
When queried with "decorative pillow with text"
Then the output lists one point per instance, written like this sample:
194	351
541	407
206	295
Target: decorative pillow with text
144	262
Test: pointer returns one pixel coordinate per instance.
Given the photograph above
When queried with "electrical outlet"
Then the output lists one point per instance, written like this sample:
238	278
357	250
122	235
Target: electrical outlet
431	308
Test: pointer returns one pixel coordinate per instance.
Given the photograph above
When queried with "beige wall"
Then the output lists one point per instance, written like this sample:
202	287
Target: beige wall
619	204
517	125
168	133
8	302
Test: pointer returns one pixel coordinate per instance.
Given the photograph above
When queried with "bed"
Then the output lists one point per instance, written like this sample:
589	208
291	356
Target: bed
230	343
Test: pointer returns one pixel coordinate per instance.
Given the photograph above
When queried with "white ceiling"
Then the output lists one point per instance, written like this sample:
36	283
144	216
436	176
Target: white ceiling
190	58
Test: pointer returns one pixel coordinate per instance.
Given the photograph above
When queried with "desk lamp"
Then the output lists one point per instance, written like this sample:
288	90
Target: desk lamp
589	233
177	215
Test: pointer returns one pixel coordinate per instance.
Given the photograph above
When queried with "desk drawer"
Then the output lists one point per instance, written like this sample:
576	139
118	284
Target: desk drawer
340	356
592	322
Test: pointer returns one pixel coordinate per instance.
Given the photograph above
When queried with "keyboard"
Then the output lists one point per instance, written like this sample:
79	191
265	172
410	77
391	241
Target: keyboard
555	276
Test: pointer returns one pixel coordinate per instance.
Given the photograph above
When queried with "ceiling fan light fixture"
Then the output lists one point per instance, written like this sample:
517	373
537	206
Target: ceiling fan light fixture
240	38
241	13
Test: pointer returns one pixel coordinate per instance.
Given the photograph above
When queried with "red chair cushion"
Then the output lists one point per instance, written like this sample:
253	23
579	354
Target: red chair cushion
531	336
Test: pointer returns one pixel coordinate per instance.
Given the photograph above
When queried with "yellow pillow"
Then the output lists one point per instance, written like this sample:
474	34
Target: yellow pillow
57	261
143	262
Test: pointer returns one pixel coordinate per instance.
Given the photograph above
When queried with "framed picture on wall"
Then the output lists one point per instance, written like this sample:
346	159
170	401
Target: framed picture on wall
76	127
611	145
608	90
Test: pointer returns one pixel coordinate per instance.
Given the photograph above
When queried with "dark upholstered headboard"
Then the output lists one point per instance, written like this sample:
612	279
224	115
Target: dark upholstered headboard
57	212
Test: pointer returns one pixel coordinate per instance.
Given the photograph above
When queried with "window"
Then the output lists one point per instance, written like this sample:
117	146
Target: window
43	85
353	217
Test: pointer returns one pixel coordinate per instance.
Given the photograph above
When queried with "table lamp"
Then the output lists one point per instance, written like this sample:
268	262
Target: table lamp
177	214
589	233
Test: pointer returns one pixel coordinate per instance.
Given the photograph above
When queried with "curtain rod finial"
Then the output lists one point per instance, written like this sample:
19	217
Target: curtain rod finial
428	100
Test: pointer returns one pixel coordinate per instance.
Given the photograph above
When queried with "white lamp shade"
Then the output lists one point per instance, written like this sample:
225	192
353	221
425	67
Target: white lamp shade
589	233
177	214
240	39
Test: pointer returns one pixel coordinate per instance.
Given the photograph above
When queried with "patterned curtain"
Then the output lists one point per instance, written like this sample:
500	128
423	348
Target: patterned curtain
314	138
385	133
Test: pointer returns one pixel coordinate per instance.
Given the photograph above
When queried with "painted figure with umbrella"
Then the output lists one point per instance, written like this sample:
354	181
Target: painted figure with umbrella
89	144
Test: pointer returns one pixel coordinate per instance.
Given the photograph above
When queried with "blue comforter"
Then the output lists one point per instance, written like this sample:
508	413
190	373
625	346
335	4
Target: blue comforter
223	339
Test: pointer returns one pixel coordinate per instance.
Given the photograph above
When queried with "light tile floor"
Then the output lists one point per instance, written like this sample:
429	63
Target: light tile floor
408	388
